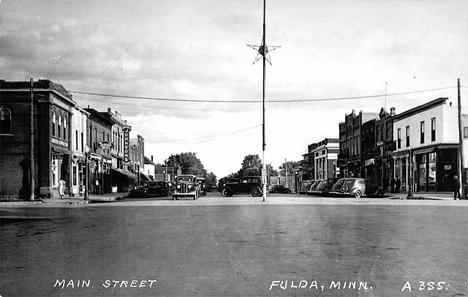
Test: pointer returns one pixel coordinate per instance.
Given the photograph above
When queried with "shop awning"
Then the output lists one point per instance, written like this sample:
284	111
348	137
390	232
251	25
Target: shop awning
144	177
125	172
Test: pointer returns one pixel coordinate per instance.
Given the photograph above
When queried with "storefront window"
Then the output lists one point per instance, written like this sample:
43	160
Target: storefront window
403	172
55	169
75	175
421	161
432	171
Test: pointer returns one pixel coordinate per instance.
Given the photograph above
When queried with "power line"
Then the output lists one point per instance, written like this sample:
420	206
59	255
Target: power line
258	101
208	138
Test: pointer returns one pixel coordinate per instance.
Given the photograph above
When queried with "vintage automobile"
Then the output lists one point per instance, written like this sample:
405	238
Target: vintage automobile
280	189
358	187
324	187
202	185
305	186
151	189
186	186
313	186
249	184
336	188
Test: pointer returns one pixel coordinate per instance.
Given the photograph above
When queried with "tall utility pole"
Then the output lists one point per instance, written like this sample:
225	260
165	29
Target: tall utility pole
33	186
263	51
460	148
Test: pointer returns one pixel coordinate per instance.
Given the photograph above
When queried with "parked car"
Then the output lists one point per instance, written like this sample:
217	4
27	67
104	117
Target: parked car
324	187
186	186
336	188
305	186
280	189
358	187
202	185
249	184
313	186
152	189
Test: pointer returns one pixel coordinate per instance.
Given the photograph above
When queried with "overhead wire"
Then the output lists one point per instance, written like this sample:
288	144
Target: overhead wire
258	101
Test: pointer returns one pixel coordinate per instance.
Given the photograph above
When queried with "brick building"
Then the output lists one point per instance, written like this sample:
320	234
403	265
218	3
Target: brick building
52	112
100	145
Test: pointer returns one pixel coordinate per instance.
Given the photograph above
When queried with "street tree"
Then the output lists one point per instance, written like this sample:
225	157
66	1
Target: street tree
188	163
252	165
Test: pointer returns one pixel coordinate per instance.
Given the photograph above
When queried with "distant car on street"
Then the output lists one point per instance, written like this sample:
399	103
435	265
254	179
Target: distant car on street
313	186
336	188
249	184
280	189
324	187
186	186
151	189
358	187
305	186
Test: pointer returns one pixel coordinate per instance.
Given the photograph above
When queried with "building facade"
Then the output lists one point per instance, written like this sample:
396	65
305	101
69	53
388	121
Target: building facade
349	158
427	144
384	172
122	179
78	151
99	152
52	112
325	158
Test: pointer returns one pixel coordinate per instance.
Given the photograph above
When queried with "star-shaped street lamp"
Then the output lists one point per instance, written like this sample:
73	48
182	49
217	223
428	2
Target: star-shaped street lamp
263	51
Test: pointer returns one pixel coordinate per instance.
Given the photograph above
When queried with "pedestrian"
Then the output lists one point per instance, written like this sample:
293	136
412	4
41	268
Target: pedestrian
385	185
392	185
97	186
456	188
61	188
397	185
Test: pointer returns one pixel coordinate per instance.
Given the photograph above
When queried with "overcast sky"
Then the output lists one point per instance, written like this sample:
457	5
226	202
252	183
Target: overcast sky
197	50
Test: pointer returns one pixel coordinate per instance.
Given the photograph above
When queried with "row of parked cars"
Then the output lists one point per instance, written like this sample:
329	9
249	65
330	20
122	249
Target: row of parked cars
355	187
183	186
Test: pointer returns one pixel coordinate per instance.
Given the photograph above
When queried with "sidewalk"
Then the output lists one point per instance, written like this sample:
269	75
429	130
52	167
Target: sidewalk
92	198
422	195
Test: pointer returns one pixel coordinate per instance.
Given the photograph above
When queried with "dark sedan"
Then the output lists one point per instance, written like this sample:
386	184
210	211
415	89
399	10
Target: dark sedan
152	189
280	189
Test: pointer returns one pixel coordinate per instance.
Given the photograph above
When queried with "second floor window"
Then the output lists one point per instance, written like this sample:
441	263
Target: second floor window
407	136
399	138
422	132
5	121
53	124
59	126
76	139
433	129
64	127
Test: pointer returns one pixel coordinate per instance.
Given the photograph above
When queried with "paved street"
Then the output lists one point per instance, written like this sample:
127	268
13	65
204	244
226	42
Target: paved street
287	246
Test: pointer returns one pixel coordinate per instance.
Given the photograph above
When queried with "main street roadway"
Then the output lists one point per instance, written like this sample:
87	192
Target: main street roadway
238	246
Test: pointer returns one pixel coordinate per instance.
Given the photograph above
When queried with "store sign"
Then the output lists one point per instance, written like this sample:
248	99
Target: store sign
106	145
447	167
126	145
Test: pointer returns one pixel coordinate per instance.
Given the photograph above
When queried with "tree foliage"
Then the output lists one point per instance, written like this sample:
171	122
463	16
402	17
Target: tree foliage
188	163
291	167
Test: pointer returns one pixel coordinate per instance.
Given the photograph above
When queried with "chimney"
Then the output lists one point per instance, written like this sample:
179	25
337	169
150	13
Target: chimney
450	103
151	158
392	111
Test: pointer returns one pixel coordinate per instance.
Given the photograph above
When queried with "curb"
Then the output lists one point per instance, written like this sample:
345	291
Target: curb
21	202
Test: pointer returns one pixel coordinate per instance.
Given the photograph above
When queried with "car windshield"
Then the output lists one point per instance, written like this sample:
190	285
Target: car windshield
185	178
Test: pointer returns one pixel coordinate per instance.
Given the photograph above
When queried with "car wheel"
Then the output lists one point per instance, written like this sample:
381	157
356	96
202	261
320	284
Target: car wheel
256	192
173	197
225	193
358	194
288	192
